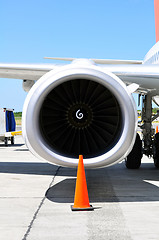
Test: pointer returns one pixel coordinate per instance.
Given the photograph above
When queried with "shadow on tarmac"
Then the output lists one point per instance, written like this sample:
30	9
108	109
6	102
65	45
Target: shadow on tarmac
114	184
34	168
15	145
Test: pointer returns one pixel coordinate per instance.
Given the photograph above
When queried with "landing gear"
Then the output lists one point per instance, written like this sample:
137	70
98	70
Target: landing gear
156	150
133	160
150	139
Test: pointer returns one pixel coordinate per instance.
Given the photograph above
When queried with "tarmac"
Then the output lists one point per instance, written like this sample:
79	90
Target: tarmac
35	200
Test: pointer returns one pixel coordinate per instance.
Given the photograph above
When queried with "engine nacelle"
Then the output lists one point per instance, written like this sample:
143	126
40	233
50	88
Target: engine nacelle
76	110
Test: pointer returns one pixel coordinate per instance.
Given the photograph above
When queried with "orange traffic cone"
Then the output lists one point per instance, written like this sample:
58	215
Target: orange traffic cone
81	199
157	129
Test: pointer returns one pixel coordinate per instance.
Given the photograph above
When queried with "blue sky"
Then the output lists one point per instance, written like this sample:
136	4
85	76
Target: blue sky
31	30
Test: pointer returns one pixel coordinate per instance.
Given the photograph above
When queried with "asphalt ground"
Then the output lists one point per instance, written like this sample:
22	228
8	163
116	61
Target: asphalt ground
35	200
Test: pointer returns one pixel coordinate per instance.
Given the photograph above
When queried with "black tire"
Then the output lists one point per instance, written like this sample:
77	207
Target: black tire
12	140
133	160
156	150
6	141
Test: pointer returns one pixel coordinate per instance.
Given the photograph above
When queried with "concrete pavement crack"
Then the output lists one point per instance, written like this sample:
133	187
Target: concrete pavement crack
38	209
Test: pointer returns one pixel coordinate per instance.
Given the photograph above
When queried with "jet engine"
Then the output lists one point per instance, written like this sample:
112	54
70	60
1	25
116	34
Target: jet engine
80	109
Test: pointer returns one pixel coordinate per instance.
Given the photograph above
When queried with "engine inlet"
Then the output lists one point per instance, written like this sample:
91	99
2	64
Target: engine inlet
80	117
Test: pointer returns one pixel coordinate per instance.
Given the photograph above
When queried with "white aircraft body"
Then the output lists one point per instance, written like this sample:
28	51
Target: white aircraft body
86	107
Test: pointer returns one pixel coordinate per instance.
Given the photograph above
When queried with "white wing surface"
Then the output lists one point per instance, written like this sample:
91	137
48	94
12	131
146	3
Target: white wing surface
146	76
24	71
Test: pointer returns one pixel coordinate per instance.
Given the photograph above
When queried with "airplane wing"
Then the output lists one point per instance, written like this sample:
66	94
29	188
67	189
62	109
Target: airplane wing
146	76
24	71
99	61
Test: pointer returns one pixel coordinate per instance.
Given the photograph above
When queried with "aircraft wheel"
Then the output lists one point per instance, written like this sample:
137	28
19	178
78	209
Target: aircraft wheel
133	160
6	141
12	140
156	150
